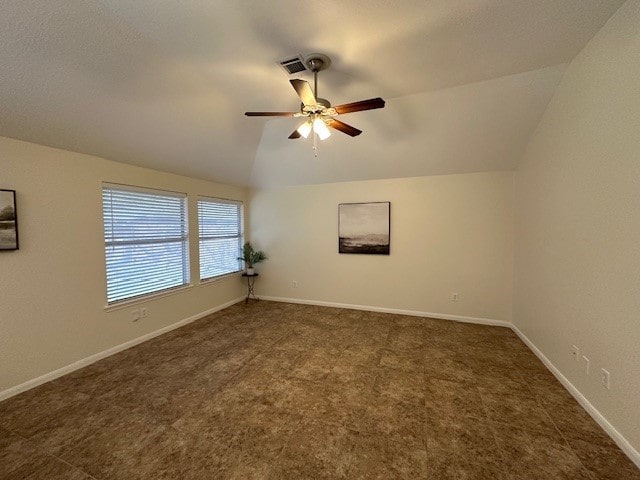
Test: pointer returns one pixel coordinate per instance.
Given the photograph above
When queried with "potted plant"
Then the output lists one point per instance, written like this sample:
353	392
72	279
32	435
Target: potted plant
250	257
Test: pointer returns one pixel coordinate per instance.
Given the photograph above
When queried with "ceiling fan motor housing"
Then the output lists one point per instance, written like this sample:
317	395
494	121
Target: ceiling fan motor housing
322	106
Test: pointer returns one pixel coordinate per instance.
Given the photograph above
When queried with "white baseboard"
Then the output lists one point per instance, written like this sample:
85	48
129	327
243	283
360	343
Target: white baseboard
47	377
413	313
616	436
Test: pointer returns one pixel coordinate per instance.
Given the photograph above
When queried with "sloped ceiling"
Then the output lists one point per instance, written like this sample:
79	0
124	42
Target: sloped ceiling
164	84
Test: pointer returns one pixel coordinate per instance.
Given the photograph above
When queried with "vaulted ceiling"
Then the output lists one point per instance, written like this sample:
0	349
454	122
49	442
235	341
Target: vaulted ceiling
164	84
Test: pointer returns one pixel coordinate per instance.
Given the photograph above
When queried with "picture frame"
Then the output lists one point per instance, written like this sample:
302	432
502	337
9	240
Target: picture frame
364	228
8	220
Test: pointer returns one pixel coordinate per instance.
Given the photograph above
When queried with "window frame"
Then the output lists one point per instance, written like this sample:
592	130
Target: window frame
239	236
111	241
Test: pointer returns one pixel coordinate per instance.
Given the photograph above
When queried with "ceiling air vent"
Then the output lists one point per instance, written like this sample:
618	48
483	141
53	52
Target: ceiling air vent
293	65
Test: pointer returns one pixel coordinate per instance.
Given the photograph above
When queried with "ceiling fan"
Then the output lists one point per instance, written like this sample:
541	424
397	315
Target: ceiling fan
318	111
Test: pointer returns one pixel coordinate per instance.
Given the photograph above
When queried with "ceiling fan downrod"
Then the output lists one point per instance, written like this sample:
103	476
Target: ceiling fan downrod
316	64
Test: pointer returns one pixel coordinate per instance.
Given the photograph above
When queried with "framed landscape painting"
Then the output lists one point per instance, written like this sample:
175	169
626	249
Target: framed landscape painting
364	228
8	220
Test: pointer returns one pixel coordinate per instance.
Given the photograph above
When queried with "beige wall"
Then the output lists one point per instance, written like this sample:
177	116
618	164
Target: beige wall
449	234
52	290
577	273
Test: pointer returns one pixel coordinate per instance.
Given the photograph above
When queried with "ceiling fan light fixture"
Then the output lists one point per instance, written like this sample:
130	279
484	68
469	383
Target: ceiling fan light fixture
321	129
305	128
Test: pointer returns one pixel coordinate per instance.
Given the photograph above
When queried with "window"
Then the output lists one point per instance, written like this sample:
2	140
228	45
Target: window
146	241
220	225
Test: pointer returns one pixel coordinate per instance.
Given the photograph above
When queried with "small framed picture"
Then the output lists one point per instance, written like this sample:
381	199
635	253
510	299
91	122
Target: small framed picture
8	220
364	228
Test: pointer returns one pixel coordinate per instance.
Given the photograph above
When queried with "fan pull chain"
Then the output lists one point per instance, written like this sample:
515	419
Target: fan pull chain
315	144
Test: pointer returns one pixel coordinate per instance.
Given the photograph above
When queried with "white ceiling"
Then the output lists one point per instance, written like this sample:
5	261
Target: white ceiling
164	84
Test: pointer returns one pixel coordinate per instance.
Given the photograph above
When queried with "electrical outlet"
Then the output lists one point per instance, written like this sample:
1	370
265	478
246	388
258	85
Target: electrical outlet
295	284
135	315
587	364
454	297
575	351
604	378
143	312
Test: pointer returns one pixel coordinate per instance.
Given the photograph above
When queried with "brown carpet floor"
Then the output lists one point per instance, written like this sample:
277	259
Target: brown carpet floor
279	391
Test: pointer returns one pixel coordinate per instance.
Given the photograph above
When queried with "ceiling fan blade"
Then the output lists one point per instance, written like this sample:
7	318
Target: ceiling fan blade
361	105
294	135
303	89
343	127
270	114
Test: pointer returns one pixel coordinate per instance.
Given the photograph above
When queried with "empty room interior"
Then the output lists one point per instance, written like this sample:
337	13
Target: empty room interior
320	240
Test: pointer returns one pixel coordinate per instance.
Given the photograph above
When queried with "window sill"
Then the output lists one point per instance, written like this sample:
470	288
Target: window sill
209	281
146	298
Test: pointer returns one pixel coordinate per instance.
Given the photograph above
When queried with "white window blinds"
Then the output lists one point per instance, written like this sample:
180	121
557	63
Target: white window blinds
146	241
220	228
